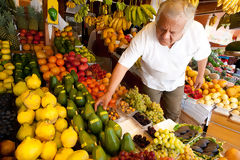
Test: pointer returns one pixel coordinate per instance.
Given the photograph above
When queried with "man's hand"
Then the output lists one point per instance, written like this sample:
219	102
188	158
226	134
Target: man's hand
199	82
104	100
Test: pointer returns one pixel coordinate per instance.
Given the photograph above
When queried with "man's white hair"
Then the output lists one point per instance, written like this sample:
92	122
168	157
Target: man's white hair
176	8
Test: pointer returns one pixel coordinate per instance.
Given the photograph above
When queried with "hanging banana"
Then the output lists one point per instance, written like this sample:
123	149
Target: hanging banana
229	6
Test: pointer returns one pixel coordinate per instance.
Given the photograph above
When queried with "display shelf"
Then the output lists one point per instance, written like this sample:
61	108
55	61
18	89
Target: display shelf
232	53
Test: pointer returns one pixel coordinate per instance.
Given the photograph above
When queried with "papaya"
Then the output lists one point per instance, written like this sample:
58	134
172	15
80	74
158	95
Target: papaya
112	143
103	114
80	99
74	75
58	89
127	143
79	86
88	110
102	138
95	124
86	141
68	85
72	94
117	128
62	98
89	98
78	123
71	109
69	78
53	82
98	153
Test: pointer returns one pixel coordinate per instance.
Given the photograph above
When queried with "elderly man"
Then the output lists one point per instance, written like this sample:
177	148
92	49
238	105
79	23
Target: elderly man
166	45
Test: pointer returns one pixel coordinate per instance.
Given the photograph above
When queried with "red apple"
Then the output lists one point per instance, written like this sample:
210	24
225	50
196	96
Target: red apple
76	63
81	74
78	56
81	68
22	34
72	53
33	31
40	34
70	58
37	37
23	41
35	42
30	37
72	68
83	60
68	65
23	31
88	73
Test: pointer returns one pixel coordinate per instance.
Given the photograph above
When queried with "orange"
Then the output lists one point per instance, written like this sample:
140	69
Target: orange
91	85
95	90
47	75
64	73
212	90
44	68
89	90
216	86
105	80
205	86
60	62
58	78
52	59
69	34
120	92
100	94
210	85
215	81
55	70
59	56
42	61
51	65
107	41
62	68
101	87
232	154
89	81
222	83
108	75
205	92
49	52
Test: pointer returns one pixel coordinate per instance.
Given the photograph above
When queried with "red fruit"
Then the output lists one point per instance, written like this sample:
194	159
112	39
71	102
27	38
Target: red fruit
81	68
23	31
23	41
29	41
22	34
81	78
68	65
81	74
70	58
33	31
85	66
83	60
28	34
72	53
88	73
78	56
72	68
76	63
30	37
35	42
37	37
40	34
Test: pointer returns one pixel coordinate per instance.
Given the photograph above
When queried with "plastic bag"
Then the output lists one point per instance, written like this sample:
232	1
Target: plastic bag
37	5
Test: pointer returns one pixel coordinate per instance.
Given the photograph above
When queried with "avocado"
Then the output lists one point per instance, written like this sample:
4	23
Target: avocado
98	153
71	109
117	128
72	94
53	82
102	138
57	89
94	138
78	123
88	110
127	143
89	99
103	114
79	86
62	98
112	143
80	99
95	124
68	85
86	141
74	75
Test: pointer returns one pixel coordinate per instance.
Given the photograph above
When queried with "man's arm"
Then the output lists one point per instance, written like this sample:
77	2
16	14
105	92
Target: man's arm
117	76
201	69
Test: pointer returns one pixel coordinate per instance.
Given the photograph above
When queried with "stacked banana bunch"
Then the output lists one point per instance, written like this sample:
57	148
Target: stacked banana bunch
194	2
229	6
91	21
213	20
103	21
70	4
139	14
79	2
82	12
119	22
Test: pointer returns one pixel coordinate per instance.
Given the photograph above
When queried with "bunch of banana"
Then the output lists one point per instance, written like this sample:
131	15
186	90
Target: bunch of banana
194	2
90	20
119	22
70	4
213	20
104	9
79	2
82	12
229	6
139	14
103	21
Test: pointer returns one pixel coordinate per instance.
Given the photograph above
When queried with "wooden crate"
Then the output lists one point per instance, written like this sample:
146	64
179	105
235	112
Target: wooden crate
185	118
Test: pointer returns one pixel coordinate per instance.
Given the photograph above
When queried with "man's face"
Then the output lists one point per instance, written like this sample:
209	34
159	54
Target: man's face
169	30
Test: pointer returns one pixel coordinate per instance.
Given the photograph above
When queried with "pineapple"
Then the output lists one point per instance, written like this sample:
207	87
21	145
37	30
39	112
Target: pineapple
33	19
12	36
3	31
41	22
8	16
22	22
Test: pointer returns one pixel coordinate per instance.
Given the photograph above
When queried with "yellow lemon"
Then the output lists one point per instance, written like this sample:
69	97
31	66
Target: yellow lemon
61	124
63	154
49	150
69	137
62	112
45	131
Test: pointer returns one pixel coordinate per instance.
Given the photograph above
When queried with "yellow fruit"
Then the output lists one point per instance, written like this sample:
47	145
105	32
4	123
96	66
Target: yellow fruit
49	150
32	101
233	100
24	131
22	108
69	137
231	92
234	105
9	80
50	113
224	97
57	139
8	85
3	76
26	116
63	154
29	149
6	57
18	102
39	114
232	154
204	86
79	155
7	147
205	92
33	82
20	88
8	71
39	92
222	83
49	99
61	124
24	95
45	131
220	105
192	73
62	112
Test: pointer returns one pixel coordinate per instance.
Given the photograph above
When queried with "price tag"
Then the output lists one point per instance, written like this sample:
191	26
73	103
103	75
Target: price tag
94	121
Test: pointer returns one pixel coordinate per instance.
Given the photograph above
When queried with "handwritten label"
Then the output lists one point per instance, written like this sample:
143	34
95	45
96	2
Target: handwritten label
103	113
79	98
69	107
94	121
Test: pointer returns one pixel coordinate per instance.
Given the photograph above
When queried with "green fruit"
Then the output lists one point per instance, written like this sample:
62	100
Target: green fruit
127	143
78	123
71	109
88	110
53	82
112	143
74	75
79	86
1	68
86	141
95	124
98	153
102	138
33	64
103	114
117	128
58	89
72	94
62	98
80	99
68	85
94	138
90	99
68	77
26	130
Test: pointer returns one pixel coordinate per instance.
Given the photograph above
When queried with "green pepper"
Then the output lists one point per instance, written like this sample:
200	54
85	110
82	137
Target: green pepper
52	13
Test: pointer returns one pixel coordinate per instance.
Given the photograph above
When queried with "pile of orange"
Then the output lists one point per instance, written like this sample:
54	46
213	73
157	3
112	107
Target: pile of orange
67	33
98	88
53	65
216	85
43	51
